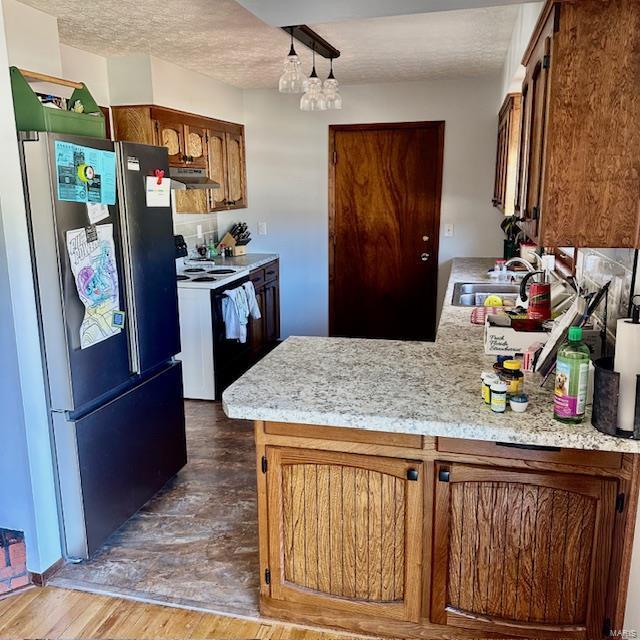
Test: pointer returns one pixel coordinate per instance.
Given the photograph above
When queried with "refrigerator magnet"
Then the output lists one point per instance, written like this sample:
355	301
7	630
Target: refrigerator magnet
133	164
91	232
117	319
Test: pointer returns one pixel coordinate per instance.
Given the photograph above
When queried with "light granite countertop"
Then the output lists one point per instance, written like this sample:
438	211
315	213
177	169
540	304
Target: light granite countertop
241	266
426	388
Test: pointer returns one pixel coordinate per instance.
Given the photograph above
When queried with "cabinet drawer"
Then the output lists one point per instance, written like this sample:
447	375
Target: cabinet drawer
557	455
343	434
271	271
257	277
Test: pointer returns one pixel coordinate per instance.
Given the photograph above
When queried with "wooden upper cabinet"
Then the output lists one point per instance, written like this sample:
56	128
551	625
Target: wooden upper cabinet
504	192
237	195
579	165
522	553
218	168
170	134
192	141
196	146
345	532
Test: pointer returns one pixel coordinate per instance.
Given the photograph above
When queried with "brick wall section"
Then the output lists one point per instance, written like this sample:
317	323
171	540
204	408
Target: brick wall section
13	561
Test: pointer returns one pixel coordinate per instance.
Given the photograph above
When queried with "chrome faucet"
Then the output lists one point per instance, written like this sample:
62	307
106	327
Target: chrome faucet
526	263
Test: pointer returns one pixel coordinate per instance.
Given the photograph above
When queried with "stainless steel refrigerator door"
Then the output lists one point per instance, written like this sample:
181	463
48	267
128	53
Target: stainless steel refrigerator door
126	451
149	250
78	378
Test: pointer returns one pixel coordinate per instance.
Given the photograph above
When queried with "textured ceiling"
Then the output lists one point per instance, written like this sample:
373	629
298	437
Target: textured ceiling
279	12
221	39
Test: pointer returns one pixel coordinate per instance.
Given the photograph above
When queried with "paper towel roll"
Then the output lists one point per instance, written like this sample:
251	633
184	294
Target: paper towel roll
627	364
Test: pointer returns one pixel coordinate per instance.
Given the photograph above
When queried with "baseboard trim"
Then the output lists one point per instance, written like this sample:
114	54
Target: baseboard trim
41	579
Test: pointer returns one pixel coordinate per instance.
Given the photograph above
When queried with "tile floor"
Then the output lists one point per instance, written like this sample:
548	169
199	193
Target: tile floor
195	543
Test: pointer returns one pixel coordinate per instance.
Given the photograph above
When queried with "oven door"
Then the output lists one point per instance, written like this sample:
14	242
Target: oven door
230	357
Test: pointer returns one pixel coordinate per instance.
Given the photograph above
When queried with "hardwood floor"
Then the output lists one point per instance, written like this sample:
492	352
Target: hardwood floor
52	612
196	542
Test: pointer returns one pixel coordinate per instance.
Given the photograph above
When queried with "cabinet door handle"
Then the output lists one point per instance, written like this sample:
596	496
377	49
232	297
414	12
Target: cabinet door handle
412	474
529	447
535	213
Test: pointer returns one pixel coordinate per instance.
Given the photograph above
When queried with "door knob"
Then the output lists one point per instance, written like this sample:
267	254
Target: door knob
424	257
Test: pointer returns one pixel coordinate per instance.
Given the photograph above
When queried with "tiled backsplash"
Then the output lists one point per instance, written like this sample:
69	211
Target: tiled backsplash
186	224
596	267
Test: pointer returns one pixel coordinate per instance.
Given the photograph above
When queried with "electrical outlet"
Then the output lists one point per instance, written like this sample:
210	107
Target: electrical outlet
262	228
199	231
448	230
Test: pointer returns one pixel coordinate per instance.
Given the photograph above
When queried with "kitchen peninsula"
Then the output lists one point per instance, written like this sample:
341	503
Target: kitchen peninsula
392	501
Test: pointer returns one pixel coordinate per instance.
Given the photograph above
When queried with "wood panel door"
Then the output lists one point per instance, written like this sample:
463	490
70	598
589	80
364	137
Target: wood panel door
504	195
218	168
196	146
384	220
521	553
170	134
345	531
537	81
236	188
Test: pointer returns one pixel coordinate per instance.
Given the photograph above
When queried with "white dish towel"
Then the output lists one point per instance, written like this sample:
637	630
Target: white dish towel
235	313
254	308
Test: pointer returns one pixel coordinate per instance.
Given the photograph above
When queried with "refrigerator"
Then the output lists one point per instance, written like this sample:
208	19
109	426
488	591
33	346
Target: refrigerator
103	253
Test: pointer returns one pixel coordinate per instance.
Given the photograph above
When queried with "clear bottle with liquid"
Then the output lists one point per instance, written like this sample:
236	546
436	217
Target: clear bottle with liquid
572	379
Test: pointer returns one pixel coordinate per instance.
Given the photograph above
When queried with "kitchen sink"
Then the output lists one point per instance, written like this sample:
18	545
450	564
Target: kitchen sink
473	294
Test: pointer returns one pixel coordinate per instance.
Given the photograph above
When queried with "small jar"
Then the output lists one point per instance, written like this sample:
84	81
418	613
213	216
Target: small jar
499	397
512	375
498	364
484	390
489	379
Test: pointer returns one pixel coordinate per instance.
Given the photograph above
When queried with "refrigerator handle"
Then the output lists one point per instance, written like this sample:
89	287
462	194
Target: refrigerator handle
134	351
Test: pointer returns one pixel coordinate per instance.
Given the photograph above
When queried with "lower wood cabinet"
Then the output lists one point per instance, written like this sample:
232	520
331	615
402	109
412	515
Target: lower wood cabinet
409	536
345	532
521	552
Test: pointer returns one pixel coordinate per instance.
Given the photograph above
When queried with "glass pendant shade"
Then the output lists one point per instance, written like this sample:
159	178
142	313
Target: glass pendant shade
313	96
332	96
291	79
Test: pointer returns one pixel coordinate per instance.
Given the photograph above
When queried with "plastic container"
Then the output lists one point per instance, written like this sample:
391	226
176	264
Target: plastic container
499	397
572	379
513	376
488	378
519	403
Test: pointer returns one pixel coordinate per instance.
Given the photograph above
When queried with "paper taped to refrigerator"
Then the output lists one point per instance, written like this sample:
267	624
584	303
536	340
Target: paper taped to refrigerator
96	276
85	174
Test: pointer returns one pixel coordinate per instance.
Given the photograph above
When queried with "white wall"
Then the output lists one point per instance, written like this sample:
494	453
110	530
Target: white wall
38	516
513	71
130	79
186	90
287	166
32	38
89	68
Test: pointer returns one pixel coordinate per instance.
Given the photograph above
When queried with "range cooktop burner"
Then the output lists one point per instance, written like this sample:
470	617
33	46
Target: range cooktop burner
195	270
222	271
203	279
182	278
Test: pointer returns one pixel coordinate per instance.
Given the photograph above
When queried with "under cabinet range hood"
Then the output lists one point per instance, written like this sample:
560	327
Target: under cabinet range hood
191	178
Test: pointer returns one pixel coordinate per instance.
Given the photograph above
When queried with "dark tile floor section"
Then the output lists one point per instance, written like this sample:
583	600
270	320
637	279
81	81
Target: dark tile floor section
195	543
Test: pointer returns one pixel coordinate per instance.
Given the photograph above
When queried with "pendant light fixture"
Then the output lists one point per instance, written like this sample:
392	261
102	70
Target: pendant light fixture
332	96
313	97
291	80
